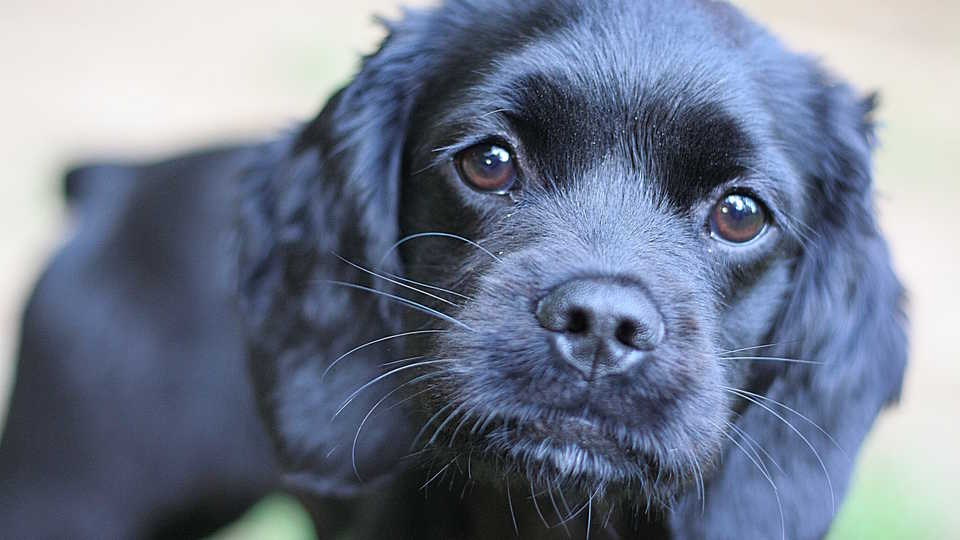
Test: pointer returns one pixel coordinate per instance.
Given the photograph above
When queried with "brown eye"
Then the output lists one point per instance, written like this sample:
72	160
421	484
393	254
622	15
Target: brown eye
487	167
737	219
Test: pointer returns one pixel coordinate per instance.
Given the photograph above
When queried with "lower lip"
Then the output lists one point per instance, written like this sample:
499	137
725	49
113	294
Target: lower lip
577	430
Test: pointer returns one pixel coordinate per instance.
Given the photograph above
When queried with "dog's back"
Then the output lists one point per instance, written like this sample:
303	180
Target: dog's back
130	352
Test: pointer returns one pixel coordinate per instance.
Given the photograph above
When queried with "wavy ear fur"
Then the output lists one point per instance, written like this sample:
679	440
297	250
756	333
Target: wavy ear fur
845	311
329	190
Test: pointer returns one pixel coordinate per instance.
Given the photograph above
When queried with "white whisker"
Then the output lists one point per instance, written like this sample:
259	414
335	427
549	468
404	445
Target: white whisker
754	444
556	509
536	505
384	376
765	346
796	412
402	361
766	475
356	438
513	515
374	342
440	235
395	282
427	424
772	359
589	516
823	466
451	416
441	471
428	286
405	301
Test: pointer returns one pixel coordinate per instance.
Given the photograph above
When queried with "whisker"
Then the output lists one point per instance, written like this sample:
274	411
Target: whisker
405	301
441	471
536	505
701	489
556	509
773	359
323	376
513	515
478	427
356	438
395	282
491	113
606	520
800	228
384	376
402	361
566	506
451	416
441	149
436	162
589	516
768	345
754	444
823	466
760	463
428	286
466	418
427	424
440	235
796	412
409	398
582	507
412	455
766	475
793	224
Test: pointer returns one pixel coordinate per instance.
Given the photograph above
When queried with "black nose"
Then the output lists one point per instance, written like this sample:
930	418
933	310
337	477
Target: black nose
601	325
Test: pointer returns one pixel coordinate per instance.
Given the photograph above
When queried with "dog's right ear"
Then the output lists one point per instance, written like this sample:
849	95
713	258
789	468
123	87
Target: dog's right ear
330	191
845	313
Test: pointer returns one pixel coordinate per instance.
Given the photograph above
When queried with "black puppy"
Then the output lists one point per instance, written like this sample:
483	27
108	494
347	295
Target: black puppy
606	269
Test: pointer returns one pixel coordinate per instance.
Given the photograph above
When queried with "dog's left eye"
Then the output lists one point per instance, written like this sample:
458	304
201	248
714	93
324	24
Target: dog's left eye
487	167
737	218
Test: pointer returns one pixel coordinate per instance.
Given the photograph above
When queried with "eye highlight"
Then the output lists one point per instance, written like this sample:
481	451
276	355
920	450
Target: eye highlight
487	167
737	218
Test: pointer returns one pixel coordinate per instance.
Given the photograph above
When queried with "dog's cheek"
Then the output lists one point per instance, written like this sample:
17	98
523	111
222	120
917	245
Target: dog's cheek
749	315
506	354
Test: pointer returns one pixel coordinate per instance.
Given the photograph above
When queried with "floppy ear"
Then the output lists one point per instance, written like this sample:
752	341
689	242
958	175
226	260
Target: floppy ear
329	190
845	310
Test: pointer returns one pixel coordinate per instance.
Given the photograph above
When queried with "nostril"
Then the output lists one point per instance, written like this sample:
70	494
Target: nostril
627	333
637	335
602	313
578	322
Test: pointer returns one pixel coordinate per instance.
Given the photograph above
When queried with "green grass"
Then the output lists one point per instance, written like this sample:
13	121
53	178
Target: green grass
277	517
891	502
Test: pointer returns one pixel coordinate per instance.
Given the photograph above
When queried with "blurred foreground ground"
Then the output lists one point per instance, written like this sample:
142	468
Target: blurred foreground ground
92	78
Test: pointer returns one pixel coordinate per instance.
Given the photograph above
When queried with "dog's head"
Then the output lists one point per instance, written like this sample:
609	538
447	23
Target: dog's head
630	245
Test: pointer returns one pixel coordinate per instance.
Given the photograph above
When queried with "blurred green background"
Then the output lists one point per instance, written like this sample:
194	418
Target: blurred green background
89	78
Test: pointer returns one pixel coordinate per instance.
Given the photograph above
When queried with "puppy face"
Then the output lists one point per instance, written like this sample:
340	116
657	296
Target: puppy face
630	207
640	245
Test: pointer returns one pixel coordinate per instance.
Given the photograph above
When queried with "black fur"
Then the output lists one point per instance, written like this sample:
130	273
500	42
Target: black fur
628	121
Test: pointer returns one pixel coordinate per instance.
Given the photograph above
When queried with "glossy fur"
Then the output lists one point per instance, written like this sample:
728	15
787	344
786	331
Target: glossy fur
628	121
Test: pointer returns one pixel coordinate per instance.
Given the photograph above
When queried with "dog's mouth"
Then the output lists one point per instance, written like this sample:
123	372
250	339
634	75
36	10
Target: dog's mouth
584	432
571	446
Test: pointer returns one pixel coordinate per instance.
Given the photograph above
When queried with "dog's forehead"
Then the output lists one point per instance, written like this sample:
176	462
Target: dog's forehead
666	91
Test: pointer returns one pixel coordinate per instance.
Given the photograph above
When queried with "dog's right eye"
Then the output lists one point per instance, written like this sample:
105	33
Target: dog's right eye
487	167
737	219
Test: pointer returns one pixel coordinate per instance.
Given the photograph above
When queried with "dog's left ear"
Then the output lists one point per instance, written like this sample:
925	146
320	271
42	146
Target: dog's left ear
360	134
330	191
845	311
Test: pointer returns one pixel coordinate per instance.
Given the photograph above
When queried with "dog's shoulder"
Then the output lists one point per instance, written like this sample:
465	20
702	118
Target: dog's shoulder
130	341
